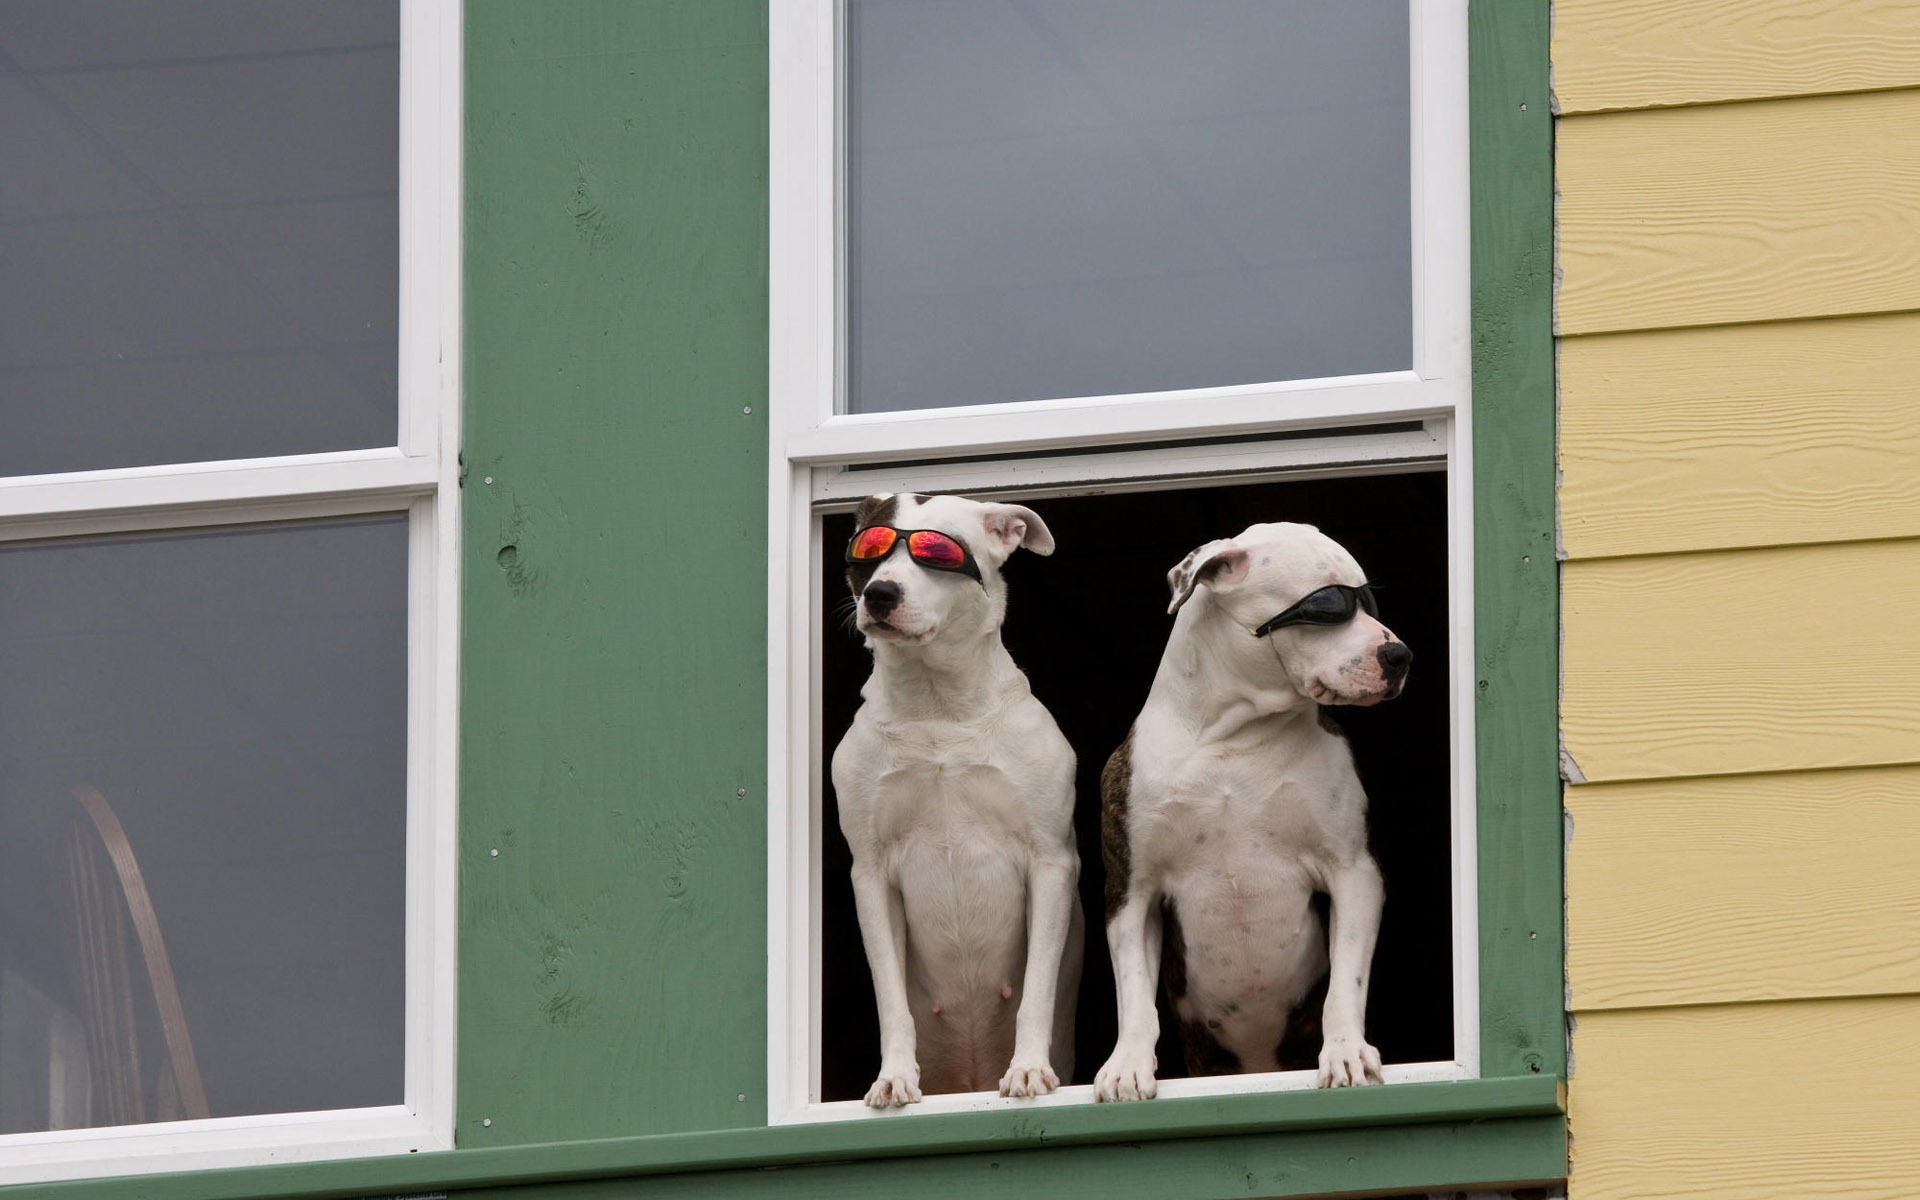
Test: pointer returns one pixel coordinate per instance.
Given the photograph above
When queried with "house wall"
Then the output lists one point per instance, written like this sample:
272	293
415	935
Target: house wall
612	947
1739	247
613	748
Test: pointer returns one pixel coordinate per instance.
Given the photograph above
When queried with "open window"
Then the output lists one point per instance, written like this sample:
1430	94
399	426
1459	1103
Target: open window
1160	274
228	383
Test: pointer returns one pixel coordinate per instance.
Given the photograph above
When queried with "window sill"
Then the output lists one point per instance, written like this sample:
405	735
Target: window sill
1472	1131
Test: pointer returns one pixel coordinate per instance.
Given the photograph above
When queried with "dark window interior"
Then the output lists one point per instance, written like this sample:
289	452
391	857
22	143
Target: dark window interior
1088	625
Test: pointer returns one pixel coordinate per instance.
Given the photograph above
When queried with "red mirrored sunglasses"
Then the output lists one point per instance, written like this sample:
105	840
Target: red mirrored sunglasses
928	547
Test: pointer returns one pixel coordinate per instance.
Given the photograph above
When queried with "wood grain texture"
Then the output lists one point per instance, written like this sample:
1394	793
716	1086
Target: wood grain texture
1447	1133
1382	1161
1743	435
1740	888
1516	651
1742	661
1614	54
612	957
1739	212
1808	1100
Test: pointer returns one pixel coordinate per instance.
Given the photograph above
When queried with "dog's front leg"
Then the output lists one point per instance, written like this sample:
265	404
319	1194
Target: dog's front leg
883	929
1050	896
1133	939
1346	1059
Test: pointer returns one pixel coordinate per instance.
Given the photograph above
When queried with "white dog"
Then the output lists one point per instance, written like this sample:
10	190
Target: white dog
956	797
1230	805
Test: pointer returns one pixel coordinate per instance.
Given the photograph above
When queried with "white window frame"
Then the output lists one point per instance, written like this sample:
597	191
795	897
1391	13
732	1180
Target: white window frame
823	459
419	476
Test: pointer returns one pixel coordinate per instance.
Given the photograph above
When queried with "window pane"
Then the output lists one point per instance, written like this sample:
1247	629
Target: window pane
222	713
1086	197
198	230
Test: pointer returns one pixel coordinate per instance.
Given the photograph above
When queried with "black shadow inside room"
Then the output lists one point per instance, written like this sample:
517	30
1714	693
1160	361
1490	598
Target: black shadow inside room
1088	625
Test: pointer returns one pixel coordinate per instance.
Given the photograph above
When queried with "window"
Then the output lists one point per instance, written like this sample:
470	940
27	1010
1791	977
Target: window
228	503
1160	271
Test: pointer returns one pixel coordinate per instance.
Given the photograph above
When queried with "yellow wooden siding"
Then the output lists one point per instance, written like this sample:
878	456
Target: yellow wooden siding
1740	507
1739	212
1613	54
1755	887
1805	1100
1742	435
1742	660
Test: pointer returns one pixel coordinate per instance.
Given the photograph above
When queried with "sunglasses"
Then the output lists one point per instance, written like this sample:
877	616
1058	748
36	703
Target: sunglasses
1334	604
928	547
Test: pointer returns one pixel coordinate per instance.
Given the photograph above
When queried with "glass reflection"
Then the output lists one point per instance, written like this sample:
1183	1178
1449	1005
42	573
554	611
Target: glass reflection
202	823
1088	197
199	225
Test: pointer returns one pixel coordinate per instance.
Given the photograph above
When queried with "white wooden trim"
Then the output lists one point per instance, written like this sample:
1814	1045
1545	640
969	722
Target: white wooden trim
1241	410
432	181
801	350
430	132
419	476
802	261
790	996
1364	452
1169	1089
179	495
1442	259
1463	825
216	1142
814	450
1443	351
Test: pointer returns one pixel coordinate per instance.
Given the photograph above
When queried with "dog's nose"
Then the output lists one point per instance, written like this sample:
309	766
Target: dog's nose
1394	658
882	597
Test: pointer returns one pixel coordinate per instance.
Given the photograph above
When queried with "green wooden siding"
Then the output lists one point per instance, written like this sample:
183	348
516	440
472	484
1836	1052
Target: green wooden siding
1516	575
612	958
1403	1137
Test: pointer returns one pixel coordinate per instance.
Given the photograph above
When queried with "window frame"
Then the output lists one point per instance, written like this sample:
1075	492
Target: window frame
420	476
822	458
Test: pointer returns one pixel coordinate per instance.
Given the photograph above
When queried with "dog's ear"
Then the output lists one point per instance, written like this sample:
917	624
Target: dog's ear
876	510
1218	564
1011	526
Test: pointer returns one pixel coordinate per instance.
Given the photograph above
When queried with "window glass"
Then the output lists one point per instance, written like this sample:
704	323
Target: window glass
198	230
1086	197
203	780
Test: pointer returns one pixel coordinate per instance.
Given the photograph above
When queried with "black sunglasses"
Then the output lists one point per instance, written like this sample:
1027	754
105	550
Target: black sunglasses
1334	604
928	547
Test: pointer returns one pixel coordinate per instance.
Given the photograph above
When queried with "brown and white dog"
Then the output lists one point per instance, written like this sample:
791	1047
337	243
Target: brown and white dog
956	797
1230	805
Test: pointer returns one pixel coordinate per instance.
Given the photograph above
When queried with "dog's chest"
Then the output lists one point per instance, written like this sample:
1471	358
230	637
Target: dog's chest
1210	811
959	793
1236	850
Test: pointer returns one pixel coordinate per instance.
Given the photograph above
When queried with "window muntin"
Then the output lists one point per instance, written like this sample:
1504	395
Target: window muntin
200	232
823	455
409	472
1078	199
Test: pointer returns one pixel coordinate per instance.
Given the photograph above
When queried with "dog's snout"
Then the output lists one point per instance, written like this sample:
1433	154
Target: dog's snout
882	597
1394	658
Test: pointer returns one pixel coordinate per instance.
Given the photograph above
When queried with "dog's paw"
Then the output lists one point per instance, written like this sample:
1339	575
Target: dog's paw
1348	1062
893	1089
1032	1079
1126	1076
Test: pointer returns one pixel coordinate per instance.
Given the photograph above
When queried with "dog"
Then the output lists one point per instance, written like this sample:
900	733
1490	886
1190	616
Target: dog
956	797
1230	805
